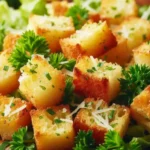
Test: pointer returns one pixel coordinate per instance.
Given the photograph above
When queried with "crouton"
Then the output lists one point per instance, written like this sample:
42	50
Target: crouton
140	108
53	130
135	30
100	118
7	74
41	84
115	11
92	39
119	54
141	54
14	114
10	41
100	75
52	28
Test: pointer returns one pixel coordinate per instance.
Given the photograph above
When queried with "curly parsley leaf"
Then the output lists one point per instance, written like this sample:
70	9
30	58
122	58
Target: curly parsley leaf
58	60
78	14
27	45
134	80
21	140
113	141
84	140
2	34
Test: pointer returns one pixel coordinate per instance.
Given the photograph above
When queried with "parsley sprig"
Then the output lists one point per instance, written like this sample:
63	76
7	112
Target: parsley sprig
112	141
27	45
2	34
78	14
21	140
84	141
58	60
134	80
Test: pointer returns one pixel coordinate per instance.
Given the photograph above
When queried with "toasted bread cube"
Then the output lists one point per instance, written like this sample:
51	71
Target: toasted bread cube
92	39
135	30
119	54
8	76
52	28
115	11
53	130
141	54
10	41
100	118
41	84
140	108
100	75
14	113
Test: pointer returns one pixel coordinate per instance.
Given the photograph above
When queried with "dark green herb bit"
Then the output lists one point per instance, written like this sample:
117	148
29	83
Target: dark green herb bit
48	76
57	121
6	68
111	114
42	87
51	111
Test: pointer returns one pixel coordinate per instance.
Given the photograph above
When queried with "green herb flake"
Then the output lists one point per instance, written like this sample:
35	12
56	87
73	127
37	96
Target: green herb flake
57	121
51	111
111	114
114	8
40	117
6	68
144	36
48	76
42	87
12	104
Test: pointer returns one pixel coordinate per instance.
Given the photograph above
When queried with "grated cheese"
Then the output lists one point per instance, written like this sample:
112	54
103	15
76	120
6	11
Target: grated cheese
8	108
18	110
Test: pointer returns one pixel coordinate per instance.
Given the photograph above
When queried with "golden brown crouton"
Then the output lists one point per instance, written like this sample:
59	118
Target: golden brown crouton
10	41
100	118
141	54
92	39
96	78
115	11
53	130
119	54
14	114
140	108
41	84
8	76
135	30
52	28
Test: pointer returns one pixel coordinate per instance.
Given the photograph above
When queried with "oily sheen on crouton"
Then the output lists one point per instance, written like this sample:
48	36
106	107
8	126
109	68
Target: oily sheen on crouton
92	39
135	30
140	108
119	54
141	54
41	84
96	78
53	130
100	118
53	28
14	114
8	76
10	40
115	11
